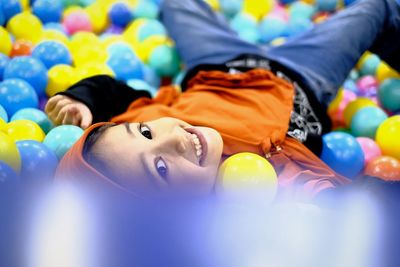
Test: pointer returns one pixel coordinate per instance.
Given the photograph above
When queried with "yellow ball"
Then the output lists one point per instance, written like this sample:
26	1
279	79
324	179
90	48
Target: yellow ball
334	105
5	42
54	35
98	17
388	137
362	59
60	78
82	40
248	173
278	41
384	71
258	8
25	26
147	46
20	130
3	124
214	4
89	55
354	106
25	4
9	152
90	70
131	32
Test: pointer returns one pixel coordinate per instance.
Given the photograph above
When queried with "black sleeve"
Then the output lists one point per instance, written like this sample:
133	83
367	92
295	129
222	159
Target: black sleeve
104	96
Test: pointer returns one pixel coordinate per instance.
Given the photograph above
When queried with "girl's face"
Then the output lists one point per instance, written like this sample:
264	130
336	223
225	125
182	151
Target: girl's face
162	154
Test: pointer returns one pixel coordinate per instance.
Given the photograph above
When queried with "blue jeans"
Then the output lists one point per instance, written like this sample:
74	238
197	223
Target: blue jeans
321	57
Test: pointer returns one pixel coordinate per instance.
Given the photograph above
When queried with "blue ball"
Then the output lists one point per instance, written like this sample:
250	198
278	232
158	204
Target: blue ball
29	69
3	63
35	115
38	162
60	139
349	2
343	154
55	26
120	14
142	85
2	16
354	75
297	26
370	65
366	121
271	28
251	35
230	7
151	76
16	94
52	53
7	175
125	65
119	48
10	8
48	10
351	86
301	10
152	27
243	21
327	5
165	61
3	114
146	9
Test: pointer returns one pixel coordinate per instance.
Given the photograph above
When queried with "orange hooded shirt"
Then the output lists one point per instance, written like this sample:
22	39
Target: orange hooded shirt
250	110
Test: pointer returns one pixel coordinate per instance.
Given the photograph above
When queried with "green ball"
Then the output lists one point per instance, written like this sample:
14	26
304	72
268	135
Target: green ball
68	3
165	61
366	121
389	94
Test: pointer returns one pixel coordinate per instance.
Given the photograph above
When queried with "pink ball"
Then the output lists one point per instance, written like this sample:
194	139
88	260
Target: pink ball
77	21
370	148
367	85
348	96
280	12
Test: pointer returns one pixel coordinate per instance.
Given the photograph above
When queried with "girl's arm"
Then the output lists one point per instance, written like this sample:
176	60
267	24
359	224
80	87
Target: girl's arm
92	100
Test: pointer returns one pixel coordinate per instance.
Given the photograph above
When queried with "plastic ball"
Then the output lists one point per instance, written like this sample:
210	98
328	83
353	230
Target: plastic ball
68	3
343	154
9	152
60	79
354	75
148	45
16	94
370	65
151	27
29	69
3	63
248	172
83	40
354	106
214	4
258	8
370	148
3	124
348	2
366	121
98	17
151	76
164	59
367	85
243	21
54	35
24	130
7	174
280	11
21	48
114	29
384	71
3	114
301	10
39	162
2	16
35	115
351	86
60	139
384	167
230	7
10	8
271	28
387	137
6	43
77	21
338	105
297	26
52	53
48	10
125	65
145	9
327	5
120	14
92	69
142	85
55	26
389	94
25	26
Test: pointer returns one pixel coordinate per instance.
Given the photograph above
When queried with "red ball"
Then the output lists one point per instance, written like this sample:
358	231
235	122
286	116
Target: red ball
384	167
21	48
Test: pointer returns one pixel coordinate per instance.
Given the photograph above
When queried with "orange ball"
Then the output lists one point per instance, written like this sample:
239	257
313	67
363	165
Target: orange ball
21	48
384	167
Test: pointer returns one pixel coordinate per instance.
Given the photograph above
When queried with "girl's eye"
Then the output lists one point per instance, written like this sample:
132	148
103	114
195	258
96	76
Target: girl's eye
161	167
145	131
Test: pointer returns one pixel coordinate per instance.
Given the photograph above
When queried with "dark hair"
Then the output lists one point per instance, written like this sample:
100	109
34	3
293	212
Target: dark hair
92	158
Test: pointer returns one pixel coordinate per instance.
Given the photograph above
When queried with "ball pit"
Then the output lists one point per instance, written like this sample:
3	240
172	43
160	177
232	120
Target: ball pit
61	138
35	115
52	53
48	10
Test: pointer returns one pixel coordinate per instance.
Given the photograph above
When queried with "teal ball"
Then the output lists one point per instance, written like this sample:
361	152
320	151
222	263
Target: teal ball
366	121
389	94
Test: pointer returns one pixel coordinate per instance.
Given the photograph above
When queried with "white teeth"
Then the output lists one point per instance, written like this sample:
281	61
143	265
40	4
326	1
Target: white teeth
196	141
197	145
199	152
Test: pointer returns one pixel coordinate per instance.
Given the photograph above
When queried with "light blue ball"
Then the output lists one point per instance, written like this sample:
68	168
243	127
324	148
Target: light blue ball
302	10
48	10
38	162
16	94
55	26
3	114
10	8
7	175
251	35
3	63
351	85
327	5
389	94
230	7
150	28
343	154
297	26
52	53
119	48
366	121
354	75
125	65
146	9
271	28
243	21
120	14
142	85
151	76
165	61
370	65
29	69
35	115
60	139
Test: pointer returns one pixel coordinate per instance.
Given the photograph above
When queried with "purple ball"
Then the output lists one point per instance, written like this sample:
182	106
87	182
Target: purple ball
367	85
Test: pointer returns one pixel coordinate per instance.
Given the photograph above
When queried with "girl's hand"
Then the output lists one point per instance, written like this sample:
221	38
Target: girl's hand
65	110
